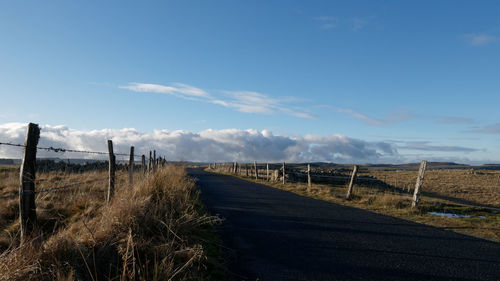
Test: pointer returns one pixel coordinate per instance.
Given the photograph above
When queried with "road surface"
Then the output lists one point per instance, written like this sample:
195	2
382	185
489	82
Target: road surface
270	234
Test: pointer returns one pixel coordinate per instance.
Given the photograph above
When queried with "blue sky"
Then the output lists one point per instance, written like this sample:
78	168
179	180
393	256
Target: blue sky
422	76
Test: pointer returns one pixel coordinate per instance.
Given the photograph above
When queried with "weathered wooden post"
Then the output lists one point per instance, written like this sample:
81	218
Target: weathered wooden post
131	166
150	163
284	172
276	175
418	184
234	168
267	172
309	175
246	169
112	169
27	208
143	162
255	169
154	160
351	183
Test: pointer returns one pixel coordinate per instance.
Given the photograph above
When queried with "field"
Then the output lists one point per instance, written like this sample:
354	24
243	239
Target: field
156	229
474	186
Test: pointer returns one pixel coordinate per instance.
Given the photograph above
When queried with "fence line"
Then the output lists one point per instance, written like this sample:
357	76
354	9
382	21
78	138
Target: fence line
63	150
27	191
292	175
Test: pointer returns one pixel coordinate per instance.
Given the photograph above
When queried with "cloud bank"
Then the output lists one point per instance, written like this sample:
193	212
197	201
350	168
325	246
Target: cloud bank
208	145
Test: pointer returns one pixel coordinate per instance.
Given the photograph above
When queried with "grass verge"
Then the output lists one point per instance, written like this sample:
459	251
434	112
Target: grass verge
156	229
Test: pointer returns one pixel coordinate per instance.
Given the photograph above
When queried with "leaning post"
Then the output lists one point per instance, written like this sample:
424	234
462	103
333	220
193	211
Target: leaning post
284	172
309	175
351	183
418	184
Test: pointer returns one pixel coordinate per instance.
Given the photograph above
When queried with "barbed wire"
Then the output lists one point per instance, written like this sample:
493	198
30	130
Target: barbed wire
63	150
51	189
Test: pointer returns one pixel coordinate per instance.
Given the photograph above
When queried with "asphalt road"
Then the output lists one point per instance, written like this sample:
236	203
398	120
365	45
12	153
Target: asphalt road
270	234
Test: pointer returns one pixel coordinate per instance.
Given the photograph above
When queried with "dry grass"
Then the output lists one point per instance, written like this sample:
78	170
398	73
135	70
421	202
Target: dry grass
482	223
478	186
154	230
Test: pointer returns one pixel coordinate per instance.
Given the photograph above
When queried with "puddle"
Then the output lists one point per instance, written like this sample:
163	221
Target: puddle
449	215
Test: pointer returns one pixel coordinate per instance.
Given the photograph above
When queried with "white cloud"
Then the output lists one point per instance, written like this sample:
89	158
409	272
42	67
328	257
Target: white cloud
480	39
327	22
253	102
177	89
455	120
426	146
490	129
392	118
207	145
359	23
242	101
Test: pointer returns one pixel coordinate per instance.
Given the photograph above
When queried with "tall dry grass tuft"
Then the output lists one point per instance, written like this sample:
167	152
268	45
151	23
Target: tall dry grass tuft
150	231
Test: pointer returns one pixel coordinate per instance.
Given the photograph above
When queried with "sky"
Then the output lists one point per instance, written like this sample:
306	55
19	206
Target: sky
335	81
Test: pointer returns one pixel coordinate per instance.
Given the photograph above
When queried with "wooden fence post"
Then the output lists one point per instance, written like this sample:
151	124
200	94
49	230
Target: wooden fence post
27	208
112	169
351	183
418	184
143	162
246	169
154	160
267	172
309	175
234	168
255	169
150	162
131	166
284	172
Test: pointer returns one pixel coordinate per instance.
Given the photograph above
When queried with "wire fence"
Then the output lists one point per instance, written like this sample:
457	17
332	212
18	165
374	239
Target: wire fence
64	150
467	187
11	196
74	167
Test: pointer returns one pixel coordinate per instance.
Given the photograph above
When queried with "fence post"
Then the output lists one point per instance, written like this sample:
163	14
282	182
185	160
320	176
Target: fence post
246	169
112	168
351	183
131	166
418	184
255	169
27	207
154	160
150	162
267	172
309	175
284	172
143	162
